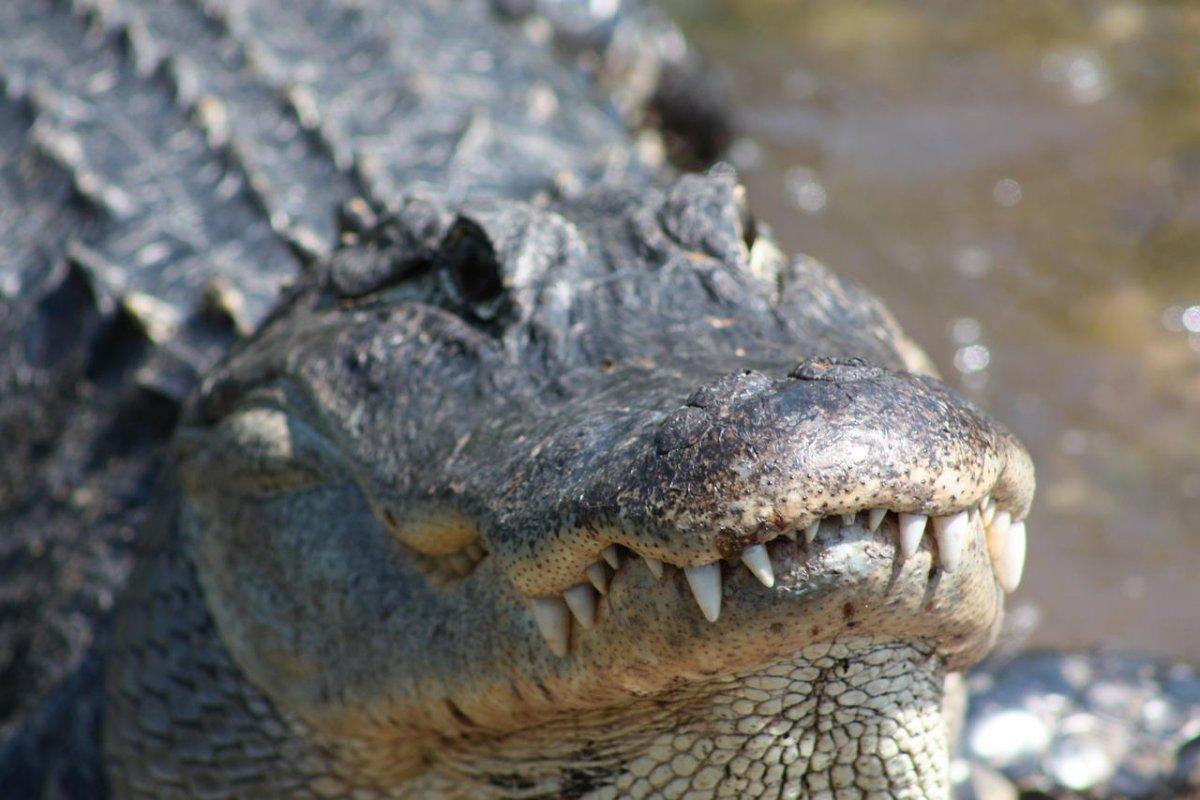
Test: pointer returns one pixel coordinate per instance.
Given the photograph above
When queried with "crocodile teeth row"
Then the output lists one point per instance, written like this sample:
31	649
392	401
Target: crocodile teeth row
1005	543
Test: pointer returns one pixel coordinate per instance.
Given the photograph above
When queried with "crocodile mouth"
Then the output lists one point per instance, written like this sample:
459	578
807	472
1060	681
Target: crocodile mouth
946	538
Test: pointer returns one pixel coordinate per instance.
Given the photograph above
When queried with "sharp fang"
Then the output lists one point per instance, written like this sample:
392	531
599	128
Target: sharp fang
810	533
705	581
599	578
951	533
581	599
1012	558
997	539
790	534
611	556
848	519
875	519
987	510
553	622
759	563
912	528
655	566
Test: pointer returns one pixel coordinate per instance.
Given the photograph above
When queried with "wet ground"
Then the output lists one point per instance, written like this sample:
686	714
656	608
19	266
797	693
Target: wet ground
1021	183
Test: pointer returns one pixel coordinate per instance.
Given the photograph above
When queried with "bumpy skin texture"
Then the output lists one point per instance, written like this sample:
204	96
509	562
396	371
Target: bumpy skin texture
544	347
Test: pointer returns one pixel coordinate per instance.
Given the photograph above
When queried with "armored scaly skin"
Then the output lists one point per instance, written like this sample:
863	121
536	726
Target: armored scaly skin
369	507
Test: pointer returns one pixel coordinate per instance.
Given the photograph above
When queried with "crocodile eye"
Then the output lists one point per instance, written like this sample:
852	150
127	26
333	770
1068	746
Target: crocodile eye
440	542
257	451
471	263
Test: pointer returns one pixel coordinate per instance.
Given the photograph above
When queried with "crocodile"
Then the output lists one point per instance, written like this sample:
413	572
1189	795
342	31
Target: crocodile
387	418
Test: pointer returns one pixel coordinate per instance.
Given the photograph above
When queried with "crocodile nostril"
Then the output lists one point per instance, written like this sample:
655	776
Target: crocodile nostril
841	370
729	389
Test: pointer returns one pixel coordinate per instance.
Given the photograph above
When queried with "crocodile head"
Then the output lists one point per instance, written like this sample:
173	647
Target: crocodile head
610	497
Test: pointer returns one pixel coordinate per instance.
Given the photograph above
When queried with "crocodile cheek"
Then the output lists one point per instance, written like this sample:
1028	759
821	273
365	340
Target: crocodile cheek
345	630
312	613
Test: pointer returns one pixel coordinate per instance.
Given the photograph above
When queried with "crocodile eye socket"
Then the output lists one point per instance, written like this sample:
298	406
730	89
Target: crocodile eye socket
257	451
472	266
478	281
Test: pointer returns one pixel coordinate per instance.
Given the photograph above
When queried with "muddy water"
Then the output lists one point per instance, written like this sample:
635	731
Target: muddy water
1021	183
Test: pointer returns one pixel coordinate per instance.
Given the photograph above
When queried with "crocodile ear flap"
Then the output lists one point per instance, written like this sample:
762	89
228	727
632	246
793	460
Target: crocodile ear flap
468	259
377	250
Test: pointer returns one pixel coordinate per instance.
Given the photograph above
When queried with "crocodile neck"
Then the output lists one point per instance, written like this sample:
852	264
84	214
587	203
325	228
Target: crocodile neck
852	714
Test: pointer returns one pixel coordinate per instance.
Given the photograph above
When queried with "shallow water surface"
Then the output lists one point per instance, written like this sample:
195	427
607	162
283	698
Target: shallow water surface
1021	183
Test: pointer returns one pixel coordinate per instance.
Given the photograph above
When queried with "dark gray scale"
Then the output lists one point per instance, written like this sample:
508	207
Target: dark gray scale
131	255
244	115
416	108
179	217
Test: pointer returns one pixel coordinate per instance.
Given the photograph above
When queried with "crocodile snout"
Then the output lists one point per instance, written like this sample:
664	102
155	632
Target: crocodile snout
758	471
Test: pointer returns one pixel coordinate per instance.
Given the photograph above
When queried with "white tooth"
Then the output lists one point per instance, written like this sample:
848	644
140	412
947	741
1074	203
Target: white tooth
759	563
581	599
654	565
875	518
553	622
791	534
912	528
997	537
611	556
598	577
848	519
951	533
705	581
810	533
987	510
1012	558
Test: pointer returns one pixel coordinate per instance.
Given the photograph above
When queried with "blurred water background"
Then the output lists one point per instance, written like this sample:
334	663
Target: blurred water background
1020	181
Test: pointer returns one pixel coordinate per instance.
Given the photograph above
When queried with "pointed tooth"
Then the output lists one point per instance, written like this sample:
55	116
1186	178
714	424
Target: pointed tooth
987	509
1012	558
553	622
848	519
791	534
912	528
875	519
810	533
655	566
611	556
599	578
759	563
705	580
581	599
996	535
951	532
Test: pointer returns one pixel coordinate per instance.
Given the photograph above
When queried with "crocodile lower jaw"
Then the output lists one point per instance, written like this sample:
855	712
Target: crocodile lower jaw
858	717
947	537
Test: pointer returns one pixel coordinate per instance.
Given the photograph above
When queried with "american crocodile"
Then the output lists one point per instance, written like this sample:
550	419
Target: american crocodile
549	476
